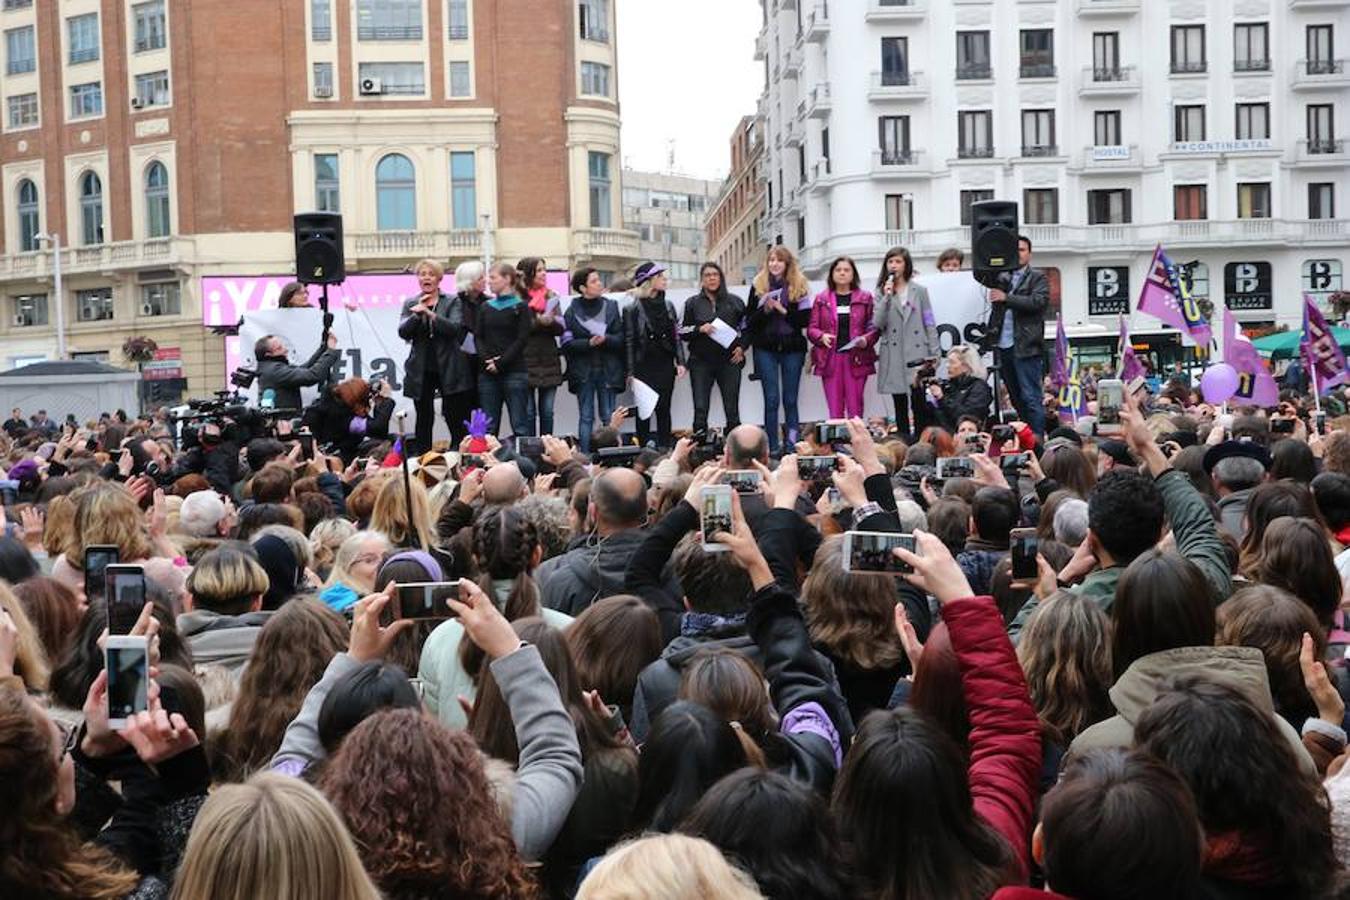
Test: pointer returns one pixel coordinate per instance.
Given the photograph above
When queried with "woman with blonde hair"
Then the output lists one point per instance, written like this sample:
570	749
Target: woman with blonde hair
273	836
965	392
435	324
778	310
324	541
390	515
354	567
667	867
1065	652
30	659
106	513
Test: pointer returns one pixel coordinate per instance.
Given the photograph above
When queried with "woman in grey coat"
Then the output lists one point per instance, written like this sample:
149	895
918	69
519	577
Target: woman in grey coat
909	338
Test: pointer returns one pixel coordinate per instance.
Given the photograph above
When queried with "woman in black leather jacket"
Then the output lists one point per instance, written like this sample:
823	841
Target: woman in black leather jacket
655	353
965	392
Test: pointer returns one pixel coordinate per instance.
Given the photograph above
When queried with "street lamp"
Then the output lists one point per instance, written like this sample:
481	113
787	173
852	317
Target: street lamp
55	240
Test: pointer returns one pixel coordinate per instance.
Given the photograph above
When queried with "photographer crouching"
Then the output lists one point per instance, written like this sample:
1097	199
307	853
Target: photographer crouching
349	413
276	374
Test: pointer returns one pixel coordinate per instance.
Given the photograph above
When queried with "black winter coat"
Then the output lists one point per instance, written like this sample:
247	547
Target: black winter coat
1027	305
442	338
582	358
330	420
699	310
286	380
636	339
964	395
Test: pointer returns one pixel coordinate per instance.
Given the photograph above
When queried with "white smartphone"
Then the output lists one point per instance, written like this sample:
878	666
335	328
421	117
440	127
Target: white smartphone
1110	399
744	481
955	467
714	515
127	659
869	552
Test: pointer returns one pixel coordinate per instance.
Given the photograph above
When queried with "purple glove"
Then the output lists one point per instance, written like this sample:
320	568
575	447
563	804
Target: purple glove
357	425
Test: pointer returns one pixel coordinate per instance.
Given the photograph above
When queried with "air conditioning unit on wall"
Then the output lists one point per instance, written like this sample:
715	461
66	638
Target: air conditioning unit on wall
371	87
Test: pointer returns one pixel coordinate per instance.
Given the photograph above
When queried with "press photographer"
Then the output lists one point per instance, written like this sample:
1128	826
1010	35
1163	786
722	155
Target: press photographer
349	413
276	374
965	392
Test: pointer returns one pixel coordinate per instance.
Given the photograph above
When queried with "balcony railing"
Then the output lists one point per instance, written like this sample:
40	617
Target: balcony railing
389	32
1108	7
1036	70
1323	66
98	258
1106	81
1313	74
459	242
895	10
607	242
893	85
817	26
321	33
974	152
83	55
1325	146
1189	67
1040	150
896	160
1251	65
974	72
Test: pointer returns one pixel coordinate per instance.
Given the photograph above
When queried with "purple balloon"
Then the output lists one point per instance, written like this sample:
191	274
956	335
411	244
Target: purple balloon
1219	383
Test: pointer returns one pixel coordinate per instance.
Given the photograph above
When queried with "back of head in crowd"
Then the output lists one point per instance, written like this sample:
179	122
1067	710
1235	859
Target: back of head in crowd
1125	517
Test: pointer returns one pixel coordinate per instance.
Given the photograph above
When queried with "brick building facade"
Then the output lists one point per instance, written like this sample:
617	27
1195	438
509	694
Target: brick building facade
733	222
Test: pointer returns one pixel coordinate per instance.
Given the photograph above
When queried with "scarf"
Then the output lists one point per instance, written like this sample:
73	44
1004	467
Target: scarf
539	299
507	302
1234	856
696	624
779	327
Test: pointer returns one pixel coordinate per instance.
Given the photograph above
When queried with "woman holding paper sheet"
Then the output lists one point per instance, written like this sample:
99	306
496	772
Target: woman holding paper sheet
655	353
594	348
542	359
843	339
435	325
778	310
713	319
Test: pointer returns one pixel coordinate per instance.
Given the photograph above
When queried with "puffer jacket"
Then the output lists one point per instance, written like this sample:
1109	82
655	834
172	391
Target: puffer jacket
543	359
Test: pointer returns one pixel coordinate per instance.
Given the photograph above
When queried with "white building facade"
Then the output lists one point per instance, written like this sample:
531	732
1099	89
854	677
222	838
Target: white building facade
667	212
1214	127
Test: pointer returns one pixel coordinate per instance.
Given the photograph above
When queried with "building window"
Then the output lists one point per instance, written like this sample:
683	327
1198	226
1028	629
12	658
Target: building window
1251	42
1190	202
23	111
1253	121
894	135
1321	128
94	305
82	35
1321	48
150	30
29	217
1106	56
1322	200
597	165
1038	53
86	100
1109	207
327	186
30	310
463	191
968	198
894	61
899	212
972	55
593	17
20	51
157	219
458	18
1106	128
595	79
1038	132
323	80
1040	206
389	20
1188	48
1188	123
461	80
152	89
395	194
91	209
1253	200
17	4
161	299
321	20
975	129
399	78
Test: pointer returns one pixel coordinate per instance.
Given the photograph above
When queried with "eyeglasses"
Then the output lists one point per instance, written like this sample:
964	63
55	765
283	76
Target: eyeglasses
368	560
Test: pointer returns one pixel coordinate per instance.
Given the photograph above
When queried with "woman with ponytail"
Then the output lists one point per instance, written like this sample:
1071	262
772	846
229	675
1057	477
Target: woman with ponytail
506	551
503	330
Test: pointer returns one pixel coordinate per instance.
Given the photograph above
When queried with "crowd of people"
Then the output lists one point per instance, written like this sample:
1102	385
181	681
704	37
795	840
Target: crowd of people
622	699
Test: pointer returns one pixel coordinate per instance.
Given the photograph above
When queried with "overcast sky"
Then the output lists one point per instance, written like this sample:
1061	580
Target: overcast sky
687	73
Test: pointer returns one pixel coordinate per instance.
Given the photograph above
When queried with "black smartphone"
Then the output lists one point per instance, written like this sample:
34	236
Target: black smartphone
9	491
955	467
629	412
743	481
615	457
1001	434
530	447
1320	421
471	461
816	468
427	600
832	433
1024	546
869	552
306	444
126	597
97	558
1013	463
1282	426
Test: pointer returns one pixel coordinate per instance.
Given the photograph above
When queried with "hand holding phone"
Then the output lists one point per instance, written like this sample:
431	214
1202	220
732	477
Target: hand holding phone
1110	400
870	552
426	601
832	432
714	515
127	661
1024	545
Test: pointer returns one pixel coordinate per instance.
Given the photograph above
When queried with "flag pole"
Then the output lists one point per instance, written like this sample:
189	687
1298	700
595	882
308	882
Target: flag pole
1317	392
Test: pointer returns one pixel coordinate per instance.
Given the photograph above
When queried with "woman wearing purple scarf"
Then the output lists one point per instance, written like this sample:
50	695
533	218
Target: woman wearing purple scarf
779	308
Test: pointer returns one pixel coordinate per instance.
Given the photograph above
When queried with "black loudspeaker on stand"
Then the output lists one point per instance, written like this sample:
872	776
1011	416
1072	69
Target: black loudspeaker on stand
993	239
318	255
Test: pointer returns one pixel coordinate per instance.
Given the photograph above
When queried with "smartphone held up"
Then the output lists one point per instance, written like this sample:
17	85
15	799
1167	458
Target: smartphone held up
872	552
127	659
715	515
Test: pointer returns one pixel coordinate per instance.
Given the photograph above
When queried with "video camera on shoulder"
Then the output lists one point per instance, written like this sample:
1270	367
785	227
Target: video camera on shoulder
709	445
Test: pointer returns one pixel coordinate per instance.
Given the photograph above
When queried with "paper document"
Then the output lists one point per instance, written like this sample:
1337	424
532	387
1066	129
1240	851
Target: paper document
723	333
468	345
597	327
646	398
853	344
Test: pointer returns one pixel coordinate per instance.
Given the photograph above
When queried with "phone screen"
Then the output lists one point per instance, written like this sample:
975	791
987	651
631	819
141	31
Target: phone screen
832	433
531	447
128	680
1282	426
306	445
715	514
1110	398
126	597
1024	546
9	492
955	467
427	600
815	468
96	559
869	553
1320	422
743	481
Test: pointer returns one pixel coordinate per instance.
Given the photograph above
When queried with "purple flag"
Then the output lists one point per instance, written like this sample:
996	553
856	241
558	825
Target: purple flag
1130	366
1073	402
1165	296
1322	356
1256	386
1059	373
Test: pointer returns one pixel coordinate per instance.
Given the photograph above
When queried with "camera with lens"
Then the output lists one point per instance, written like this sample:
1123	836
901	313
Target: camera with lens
709	445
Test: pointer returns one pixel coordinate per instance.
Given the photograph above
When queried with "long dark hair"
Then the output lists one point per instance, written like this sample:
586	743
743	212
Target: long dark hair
1257	789
528	269
1162	602
722	292
903	795
907	271
1268	502
688	750
1296	555
612	641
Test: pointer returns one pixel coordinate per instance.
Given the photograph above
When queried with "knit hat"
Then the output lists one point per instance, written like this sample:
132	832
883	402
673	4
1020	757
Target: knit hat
423	559
284	574
646	272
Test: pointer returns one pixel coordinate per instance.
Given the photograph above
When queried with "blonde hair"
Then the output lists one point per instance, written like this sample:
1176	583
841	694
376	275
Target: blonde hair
107	514
272	836
347	552
390	514
431	264
797	285
1065	652
971	357
60	526
667	867
30	659
325	539
227	580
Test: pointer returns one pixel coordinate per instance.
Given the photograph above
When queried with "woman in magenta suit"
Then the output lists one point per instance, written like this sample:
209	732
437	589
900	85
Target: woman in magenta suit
843	339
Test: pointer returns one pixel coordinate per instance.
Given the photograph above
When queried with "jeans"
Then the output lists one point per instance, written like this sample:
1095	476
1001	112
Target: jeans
514	389
594	392
543	410
455	408
1023	378
702	376
780	376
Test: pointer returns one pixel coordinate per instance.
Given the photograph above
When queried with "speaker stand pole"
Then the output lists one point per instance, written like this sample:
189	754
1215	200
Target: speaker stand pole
327	316
994	370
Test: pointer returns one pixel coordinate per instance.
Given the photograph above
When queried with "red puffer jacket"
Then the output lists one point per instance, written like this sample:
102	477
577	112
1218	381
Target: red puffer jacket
1005	740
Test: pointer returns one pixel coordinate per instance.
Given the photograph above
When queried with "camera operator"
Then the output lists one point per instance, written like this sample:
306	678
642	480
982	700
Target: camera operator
276	374
349	413
965	392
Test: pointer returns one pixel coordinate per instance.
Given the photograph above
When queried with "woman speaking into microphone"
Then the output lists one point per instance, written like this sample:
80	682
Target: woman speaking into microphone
435	324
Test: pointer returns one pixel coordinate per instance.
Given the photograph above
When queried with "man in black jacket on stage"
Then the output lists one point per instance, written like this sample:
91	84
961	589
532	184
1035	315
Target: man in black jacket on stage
1017	330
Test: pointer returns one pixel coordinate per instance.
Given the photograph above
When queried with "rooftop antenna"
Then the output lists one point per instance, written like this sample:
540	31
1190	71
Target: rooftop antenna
670	155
